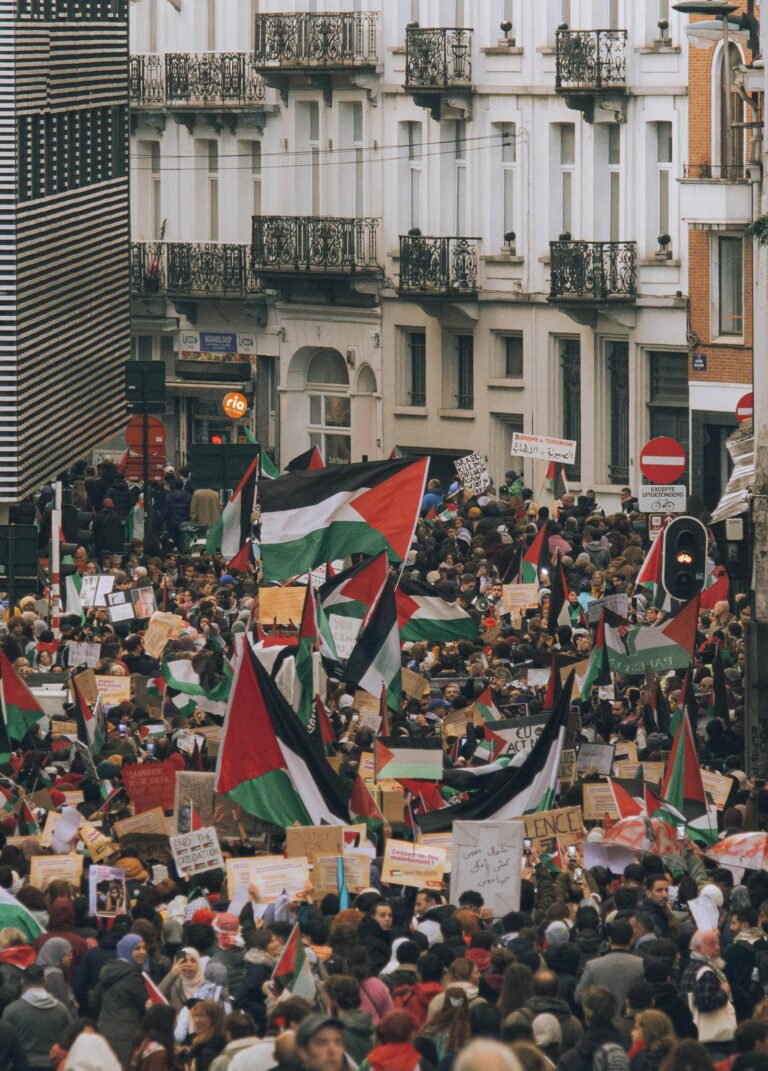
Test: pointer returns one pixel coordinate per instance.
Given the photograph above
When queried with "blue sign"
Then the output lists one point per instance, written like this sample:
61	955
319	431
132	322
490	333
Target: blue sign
216	342
699	362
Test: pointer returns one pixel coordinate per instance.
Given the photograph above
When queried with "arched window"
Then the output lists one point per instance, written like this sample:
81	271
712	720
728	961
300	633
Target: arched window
330	414
328	367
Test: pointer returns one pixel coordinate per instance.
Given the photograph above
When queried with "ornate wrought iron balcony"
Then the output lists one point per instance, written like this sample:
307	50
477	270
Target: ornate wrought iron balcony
438	267
316	245
590	60
196	79
438	64
591	272
332	39
187	269
716	172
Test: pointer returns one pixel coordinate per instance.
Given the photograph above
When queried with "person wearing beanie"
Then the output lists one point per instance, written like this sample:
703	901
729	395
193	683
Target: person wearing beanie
557	933
121	996
230	950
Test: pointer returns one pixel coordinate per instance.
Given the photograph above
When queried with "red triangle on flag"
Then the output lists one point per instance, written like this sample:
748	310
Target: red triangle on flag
681	629
392	507
383	756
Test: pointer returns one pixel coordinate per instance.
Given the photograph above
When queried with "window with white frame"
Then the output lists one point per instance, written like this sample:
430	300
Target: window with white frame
308	171
352	174
508	162
458	372
664	152
460	179
213	190
614	180
256	178
729	284
156	188
411	174
510	351
330	413
567	169
413	379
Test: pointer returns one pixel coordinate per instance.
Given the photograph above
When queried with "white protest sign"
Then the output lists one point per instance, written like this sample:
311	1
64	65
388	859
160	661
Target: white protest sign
84	653
487	857
345	631
94	589
473	472
705	913
196	852
520	734
107	897
619	604
119	606
662	498
544	448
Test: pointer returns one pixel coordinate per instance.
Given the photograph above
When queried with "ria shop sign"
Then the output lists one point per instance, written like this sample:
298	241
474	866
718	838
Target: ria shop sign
216	347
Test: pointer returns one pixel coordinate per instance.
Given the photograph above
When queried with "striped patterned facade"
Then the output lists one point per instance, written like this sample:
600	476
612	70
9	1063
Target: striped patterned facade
64	234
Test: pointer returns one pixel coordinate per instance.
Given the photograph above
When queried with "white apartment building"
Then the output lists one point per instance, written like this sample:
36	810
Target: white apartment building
420	224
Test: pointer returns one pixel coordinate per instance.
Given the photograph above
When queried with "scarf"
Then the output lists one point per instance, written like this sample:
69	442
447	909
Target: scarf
190	986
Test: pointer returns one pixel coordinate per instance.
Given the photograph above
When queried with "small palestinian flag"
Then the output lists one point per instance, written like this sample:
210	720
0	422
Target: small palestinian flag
423	615
598	668
627	805
491	747
649	577
72	586
154	995
485	704
555	481
683	787
309	461
21	711
354	592
182	678
717	589
310	518
91	728
292	971
362	804
15	915
447	514
134	522
27	825
536	557
554	684
559	599
416	759
375	662
233	528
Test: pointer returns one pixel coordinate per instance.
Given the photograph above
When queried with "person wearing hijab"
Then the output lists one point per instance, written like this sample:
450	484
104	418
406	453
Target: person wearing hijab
183	979
54	957
61	923
213	987
121	996
91	1052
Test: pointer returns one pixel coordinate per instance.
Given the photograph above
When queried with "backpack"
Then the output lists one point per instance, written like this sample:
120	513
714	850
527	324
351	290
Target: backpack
10	985
610	1057
404	998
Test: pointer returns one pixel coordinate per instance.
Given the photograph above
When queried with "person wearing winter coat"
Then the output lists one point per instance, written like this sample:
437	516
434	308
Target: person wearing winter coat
108	534
183	980
38	1019
375	932
341	995
154	1049
230	949
176	509
120	493
61	923
545	999
600	1009
375	997
12	1055
395	1051
89	968
654	1031
16	955
120	997
240	1032
260	960
54	957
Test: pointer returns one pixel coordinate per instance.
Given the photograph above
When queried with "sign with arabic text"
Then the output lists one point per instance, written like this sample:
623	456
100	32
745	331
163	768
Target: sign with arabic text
543	448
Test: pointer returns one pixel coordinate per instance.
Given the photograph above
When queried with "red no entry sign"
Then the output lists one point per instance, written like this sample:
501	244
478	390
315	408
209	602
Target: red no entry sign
662	460
744	408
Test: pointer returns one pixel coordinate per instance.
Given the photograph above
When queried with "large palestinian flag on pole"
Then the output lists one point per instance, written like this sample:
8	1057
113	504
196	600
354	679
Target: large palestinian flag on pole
424	615
230	533
308	461
513	791
354	591
558	599
182	678
310	518
683	789
536	557
669	645
375	662
598	668
314	637
414	759
20	708
268	763
649	577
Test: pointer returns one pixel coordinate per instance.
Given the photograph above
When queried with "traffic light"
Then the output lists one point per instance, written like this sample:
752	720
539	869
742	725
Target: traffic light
684	558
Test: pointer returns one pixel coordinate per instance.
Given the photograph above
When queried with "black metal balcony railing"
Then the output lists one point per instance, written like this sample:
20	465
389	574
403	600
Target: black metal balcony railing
438	266
437	58
200	78
598	271
192	269
317	244
329	39
590	59
724	172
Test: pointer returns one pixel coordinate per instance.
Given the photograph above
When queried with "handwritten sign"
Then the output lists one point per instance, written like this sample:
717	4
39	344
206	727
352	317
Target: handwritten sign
160	629
414	685
99	847
473	472
310	841
563	826
357	872
487	858
415	865
147	822
618	603
598	802
544	448
282	606
95	588
271	874
455	723
43	869
520	734
519	596
567	771
150	785
595	757
84	653
717	786
345	631
197	852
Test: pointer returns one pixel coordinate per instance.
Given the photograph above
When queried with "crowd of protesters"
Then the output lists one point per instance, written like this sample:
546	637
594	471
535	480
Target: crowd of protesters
597	971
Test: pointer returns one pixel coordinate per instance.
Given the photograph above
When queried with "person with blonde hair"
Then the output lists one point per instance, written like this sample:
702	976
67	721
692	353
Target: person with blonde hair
488	1055
654	1030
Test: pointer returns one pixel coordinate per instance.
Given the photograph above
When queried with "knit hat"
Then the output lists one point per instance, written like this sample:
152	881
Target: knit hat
227	930
546	1030
557	932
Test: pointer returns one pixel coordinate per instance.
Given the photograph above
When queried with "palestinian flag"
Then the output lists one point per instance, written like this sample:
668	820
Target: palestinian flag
21	711
492	746
414	759
554	481
717	590
655	709
314	636
626	804
669	645
154	996
554	684
683	787
292	971
182	678
362	805
27	825
649	577
424	615
309	461
559	604
268	763
134	522
512	791
13	914
310	518
268	470
375	662
91	729
72	586
350	595
447	514
485	704
598	668
536	557
231	531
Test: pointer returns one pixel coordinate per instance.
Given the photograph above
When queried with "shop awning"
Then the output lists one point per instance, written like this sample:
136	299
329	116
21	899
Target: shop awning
735	500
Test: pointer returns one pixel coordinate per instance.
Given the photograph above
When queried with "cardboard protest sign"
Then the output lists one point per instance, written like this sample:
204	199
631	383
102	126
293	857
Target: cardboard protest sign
212	735
626	751
271	874
487	857
392	802
717	786
61	727
197	852
345	631
414	865
455	723
114	690
561	828
414	684
439	840
119	606
86	685
310	841
99	847
357	872
367	766
281	606
567	772
144	604
196	790
598	802
473	472
107	893
595	758
87	654
153	821
520	734
371	721
366	703
187	742
51	821
43	869
150	785
73	798
520	597
94	589
159	630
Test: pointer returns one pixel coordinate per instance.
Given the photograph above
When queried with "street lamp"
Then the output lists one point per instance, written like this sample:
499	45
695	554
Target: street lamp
701	35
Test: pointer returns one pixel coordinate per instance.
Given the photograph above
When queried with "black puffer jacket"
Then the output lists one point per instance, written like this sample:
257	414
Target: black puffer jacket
378	942
119	1000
